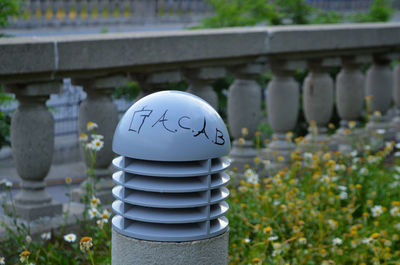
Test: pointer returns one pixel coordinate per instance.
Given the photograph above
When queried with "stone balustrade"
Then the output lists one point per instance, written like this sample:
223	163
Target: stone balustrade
32	68
56	13
59	13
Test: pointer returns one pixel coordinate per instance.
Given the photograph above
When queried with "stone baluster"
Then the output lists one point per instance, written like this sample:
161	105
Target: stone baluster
112	7
101	7
54	9
283	109
32	141
35	11
43	11
174	7
379	84
67	8
379	87
395	124
121	6
92	8
99	108
244	111
200	81
153	82
318	106
150	9
134	5
350	87
79	11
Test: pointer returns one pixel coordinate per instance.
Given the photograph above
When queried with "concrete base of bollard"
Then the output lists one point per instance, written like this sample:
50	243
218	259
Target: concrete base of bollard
131	251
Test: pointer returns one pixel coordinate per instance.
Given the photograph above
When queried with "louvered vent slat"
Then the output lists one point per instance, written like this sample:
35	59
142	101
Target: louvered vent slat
163	203
170	169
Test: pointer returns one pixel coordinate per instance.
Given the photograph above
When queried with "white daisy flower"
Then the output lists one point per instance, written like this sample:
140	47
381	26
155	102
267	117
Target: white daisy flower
364	171
105	215
70	238
343	195
93	213
94	202
97	144
395	211
337	241
91	126
83	137
380	131
46	236
97	136
377	210
251	176
366	240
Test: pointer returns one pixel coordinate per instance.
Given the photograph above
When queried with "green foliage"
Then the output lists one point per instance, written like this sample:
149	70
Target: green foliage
295	11
380	11
326	208
5	120
327	17
8	8
128	92
235	13
240	13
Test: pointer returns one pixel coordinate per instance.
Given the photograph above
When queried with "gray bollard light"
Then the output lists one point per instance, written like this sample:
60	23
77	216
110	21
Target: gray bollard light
170	195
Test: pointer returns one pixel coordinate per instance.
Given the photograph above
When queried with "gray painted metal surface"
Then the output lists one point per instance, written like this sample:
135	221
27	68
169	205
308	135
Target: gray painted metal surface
170	186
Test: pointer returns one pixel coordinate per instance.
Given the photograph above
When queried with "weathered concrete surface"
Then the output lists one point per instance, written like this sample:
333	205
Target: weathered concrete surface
395	123
318	108
244	111
350	90
126	250
99	108
200	81
350	87
244	107
57	56
379	85
318	98
32	141
283	110
283	102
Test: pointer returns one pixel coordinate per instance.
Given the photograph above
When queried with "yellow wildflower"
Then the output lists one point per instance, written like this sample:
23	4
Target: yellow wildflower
24	256
86	243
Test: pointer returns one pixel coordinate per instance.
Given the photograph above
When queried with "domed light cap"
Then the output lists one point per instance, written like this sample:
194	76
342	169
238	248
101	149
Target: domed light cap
171	126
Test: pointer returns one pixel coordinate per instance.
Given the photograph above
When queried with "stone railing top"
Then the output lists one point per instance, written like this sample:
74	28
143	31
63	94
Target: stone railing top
23	59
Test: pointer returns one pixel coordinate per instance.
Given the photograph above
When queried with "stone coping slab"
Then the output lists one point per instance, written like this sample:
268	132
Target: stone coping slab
32	58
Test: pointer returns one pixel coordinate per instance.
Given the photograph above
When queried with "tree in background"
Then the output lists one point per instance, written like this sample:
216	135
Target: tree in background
234	13
8	8
380	10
